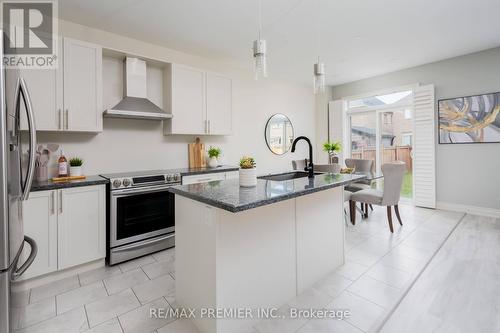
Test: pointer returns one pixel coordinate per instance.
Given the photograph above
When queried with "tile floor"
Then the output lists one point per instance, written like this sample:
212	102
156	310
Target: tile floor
379	269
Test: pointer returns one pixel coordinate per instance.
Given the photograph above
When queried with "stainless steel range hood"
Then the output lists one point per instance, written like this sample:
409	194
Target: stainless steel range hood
135	104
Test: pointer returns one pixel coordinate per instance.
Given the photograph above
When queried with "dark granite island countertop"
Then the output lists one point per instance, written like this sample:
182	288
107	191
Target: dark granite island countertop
228	195
50	185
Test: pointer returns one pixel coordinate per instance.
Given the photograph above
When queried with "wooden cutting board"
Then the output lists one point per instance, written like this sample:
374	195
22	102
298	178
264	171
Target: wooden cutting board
197	154
66	179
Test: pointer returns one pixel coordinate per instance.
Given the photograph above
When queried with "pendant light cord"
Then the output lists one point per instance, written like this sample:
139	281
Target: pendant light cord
259	16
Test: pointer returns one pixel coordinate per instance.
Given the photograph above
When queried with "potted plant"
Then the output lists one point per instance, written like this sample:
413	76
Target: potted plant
75	166
213	155
332	148
248	172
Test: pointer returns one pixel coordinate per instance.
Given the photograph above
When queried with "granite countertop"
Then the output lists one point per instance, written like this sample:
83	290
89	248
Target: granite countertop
50	185
228	195
199	171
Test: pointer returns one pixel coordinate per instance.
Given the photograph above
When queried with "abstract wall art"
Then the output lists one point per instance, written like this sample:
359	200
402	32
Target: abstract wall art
470	119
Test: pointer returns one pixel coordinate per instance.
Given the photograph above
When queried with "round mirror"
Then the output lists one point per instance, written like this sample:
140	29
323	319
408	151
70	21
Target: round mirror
279	134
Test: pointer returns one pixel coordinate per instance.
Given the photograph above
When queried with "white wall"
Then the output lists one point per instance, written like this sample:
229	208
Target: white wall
467	174
126	145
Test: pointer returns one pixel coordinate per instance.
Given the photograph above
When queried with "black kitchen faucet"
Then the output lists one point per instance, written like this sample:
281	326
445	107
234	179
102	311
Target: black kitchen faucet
310	167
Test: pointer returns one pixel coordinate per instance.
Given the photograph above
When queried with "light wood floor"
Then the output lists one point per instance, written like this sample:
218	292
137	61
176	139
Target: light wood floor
459	291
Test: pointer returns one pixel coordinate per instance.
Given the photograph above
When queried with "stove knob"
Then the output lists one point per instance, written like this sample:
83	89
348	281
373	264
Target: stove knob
126	182
169	178
117	183
177	177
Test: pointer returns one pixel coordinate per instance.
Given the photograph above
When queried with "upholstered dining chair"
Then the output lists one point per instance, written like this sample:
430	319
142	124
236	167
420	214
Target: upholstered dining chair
393	179
360	165
299	164
331	168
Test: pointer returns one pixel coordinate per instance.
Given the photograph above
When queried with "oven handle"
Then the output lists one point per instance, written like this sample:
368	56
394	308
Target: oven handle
144	243
149	189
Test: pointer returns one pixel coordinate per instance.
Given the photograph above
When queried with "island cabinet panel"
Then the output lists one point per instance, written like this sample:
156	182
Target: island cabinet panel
318	229
195	227
257	258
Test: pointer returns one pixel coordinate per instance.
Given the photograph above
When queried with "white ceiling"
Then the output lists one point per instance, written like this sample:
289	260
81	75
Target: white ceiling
359	39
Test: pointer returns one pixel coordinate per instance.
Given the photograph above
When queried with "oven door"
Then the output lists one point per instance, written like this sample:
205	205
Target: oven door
140	213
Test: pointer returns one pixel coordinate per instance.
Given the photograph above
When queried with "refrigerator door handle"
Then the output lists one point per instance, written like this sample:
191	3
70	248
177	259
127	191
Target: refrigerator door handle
23	92
34	250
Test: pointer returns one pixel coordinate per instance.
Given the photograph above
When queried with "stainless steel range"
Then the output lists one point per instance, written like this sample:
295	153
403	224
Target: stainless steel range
141	213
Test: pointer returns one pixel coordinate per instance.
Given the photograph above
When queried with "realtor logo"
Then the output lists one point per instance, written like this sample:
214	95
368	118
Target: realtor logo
30	34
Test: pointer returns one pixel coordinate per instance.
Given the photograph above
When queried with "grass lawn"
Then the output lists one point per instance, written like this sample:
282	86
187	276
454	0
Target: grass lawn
407	187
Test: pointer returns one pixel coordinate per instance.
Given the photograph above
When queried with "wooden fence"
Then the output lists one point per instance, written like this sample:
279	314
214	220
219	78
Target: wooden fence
398	153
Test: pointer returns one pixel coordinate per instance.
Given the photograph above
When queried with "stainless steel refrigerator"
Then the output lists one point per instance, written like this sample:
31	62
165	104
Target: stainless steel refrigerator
15	184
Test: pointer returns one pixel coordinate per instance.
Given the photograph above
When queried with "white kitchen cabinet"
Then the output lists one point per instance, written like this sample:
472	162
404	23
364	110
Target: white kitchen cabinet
219	104
40	223
82	86
68	225
81	225
209	177
201	102
188	100
68	98
46	93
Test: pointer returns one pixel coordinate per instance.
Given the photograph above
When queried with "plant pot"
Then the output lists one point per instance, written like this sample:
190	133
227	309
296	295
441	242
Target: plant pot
75	171
248	177
213	162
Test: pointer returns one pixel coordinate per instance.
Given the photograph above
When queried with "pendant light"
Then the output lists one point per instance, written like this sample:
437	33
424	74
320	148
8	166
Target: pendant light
319	77
319	67
259	50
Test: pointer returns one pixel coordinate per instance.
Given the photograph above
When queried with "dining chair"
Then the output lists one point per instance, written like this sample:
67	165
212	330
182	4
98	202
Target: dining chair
347	198
360	165
299	164
393	179
331	168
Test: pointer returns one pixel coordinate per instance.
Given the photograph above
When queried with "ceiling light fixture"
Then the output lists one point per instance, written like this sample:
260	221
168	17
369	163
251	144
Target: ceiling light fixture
259	50
319	67
319	77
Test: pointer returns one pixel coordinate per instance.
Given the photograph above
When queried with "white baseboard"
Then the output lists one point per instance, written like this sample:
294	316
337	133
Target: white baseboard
475	210
55	276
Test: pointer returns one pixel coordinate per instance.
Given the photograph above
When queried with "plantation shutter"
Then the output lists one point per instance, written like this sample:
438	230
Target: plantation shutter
424	155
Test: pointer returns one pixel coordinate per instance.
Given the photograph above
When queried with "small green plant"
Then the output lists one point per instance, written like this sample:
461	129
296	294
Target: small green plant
332	147
214	152
247	162
75	162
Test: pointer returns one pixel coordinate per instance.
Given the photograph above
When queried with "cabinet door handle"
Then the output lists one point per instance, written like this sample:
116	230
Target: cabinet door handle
59	119
67	117
209	127
53	202
60	201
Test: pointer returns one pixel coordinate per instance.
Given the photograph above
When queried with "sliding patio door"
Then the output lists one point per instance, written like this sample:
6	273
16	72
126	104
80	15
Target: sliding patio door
394	125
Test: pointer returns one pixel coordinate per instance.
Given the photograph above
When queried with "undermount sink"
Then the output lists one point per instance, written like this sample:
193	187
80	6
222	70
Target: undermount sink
287	175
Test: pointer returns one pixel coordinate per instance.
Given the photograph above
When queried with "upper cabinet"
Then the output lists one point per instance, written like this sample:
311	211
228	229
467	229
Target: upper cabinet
219	104
82	86
68	98
201	102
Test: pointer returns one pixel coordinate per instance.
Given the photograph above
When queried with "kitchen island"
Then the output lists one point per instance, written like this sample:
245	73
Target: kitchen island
255	248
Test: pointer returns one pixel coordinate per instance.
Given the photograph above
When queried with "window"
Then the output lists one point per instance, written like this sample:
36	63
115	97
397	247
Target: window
381	100
406	139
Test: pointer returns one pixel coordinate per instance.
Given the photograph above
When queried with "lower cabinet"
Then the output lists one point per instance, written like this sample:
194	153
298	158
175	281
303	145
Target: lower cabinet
40	223
68	225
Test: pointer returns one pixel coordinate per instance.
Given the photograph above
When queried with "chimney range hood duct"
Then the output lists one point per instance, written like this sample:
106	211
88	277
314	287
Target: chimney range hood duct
135	104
